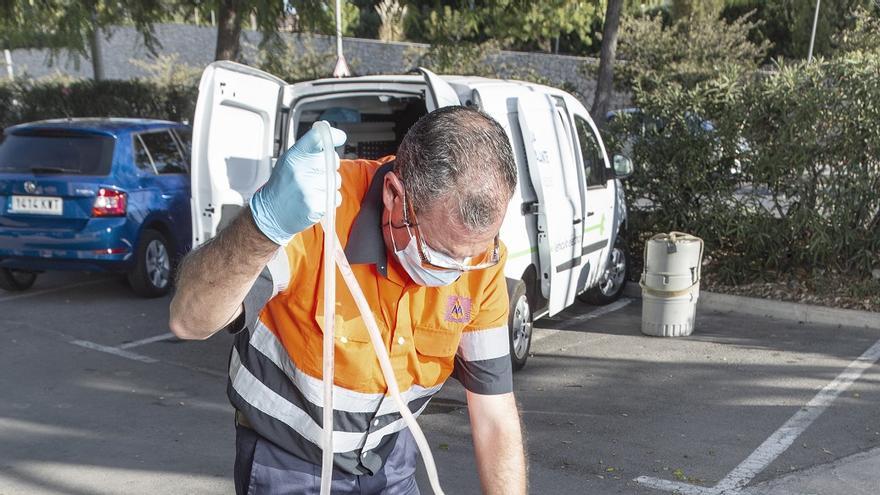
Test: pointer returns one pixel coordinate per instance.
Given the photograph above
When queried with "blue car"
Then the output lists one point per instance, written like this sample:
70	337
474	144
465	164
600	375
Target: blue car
110	195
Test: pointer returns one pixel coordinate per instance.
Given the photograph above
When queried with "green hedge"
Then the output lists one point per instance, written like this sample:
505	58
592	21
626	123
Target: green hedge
788	181
36	100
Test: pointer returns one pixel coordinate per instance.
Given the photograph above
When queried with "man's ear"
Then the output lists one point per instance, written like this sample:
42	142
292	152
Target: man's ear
392	188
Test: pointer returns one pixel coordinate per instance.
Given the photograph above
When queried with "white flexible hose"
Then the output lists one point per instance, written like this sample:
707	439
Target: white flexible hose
331	245
329	224
387	370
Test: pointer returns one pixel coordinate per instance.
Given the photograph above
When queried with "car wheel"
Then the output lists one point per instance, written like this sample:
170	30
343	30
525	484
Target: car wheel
613	280
519	323
16	280
151	275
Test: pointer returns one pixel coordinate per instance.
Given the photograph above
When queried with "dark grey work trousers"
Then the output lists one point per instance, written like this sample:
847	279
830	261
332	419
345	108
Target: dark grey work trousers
262	468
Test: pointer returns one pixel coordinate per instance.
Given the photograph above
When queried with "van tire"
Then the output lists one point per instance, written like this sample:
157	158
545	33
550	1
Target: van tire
152	273
519	324
614	279
16	280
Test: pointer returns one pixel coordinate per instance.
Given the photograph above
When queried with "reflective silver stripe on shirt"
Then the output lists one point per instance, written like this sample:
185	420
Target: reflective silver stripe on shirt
374	438
266	400
312	388
481	345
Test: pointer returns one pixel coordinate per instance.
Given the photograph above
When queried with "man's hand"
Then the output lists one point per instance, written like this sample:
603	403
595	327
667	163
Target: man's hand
498	443
294	197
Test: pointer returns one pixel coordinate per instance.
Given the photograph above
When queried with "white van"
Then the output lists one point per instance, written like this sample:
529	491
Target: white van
562	228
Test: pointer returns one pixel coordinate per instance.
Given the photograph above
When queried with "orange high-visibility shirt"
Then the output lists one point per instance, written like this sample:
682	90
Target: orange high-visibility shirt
430	333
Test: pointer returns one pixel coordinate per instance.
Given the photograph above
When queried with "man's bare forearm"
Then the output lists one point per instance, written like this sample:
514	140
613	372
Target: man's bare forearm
498	445
213	280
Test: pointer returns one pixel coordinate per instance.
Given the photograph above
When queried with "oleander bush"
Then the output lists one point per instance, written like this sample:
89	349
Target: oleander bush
777	170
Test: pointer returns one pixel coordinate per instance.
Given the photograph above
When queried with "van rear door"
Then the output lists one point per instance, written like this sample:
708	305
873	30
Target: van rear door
440	93
236	137
559	198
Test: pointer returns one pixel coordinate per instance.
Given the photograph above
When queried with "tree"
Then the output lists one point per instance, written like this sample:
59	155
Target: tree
787	24
314	16
229	19
863	36
834	17
518	24
76	25
319	16
391	14
686	53
231	16
706	9
540	23
605	81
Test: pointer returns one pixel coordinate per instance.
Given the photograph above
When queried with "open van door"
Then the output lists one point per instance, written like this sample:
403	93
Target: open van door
236	136
559	202
440	93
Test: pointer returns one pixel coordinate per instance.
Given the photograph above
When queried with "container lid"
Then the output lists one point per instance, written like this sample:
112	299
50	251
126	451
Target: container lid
675	237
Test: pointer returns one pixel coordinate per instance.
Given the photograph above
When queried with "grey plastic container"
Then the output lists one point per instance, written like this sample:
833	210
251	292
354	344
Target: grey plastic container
671	284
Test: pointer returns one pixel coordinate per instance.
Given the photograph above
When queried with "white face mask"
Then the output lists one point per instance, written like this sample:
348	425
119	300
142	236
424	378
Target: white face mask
411	261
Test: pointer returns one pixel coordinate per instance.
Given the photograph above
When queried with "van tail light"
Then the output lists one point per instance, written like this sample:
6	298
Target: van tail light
109	203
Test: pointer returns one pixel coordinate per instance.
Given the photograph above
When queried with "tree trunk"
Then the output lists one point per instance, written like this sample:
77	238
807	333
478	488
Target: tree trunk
229	31
605	84
95	47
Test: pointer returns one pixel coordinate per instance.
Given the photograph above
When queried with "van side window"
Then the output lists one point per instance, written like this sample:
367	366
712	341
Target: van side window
165	152
594	166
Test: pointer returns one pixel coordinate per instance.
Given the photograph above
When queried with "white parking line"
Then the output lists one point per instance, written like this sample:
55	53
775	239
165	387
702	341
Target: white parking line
120	352
543	333
114	350
781	439
148	340
47	291
676	486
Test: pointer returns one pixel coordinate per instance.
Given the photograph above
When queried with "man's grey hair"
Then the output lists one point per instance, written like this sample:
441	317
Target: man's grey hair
461	152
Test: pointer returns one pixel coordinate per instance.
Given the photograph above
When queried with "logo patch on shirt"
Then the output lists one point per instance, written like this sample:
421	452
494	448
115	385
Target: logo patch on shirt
458	309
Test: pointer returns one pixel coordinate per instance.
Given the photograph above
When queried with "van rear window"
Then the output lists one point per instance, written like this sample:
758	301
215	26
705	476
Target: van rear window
58	152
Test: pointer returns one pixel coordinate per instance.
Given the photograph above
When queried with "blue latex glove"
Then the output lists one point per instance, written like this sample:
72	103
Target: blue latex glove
294	197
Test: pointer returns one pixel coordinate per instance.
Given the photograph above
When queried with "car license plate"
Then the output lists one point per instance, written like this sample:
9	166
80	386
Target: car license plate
40	205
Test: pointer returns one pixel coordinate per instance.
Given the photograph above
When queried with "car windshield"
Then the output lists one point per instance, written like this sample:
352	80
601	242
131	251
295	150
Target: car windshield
56	151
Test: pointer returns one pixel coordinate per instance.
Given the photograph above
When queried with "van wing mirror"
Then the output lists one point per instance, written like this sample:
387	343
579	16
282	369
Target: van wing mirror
623	166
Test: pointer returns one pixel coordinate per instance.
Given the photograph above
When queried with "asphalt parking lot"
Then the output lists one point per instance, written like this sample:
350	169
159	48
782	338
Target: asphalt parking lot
99	398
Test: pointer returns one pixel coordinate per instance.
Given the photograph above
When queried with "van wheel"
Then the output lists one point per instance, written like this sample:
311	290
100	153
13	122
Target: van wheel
519	323
151	275
16	280
613	281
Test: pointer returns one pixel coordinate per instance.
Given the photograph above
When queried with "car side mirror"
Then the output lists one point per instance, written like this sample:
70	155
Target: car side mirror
623	166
